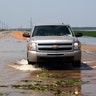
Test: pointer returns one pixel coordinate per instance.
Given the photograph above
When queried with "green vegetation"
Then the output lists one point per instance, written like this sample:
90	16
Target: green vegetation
87	33
1	94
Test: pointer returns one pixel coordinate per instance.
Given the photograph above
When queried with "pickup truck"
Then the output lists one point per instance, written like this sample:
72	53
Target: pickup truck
53	43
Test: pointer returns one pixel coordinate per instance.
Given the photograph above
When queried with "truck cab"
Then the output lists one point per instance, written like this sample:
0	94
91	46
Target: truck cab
54	43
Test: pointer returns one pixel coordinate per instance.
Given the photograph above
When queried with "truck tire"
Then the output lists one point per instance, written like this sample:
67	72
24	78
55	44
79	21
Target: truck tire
29	62
76	64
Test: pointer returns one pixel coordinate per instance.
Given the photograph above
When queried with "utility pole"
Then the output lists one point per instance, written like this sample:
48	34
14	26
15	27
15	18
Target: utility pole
0	25
31	23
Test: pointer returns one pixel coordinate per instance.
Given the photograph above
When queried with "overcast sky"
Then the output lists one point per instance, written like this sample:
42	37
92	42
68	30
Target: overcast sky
18	13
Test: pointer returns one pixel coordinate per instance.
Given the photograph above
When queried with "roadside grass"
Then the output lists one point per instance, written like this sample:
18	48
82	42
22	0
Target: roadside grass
87	33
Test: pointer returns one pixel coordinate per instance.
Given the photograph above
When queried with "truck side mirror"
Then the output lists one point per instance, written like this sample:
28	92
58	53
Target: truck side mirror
26	34
79	34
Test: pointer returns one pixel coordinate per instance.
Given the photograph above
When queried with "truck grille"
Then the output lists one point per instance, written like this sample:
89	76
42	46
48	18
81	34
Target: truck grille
55	46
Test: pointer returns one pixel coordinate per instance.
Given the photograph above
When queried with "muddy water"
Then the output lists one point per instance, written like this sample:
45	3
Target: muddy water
17	78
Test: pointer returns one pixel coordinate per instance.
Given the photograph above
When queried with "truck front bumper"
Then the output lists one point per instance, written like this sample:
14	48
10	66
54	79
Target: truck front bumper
34	56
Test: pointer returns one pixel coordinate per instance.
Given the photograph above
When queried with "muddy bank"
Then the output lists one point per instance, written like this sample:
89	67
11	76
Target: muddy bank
18	35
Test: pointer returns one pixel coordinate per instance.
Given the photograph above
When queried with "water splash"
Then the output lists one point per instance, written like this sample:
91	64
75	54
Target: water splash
24	66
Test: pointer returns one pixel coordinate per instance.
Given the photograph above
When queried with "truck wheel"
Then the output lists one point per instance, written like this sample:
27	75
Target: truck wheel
76	64
29	62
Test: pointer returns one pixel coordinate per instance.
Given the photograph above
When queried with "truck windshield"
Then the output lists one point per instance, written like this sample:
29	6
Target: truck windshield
51	31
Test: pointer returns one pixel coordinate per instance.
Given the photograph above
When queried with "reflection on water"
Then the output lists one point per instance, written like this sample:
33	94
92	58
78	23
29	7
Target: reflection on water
58	79
52	82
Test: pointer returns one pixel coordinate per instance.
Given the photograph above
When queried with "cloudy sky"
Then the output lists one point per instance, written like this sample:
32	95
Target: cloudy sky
19	13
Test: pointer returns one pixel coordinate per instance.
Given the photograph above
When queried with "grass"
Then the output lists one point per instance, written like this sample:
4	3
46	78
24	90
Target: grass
87	33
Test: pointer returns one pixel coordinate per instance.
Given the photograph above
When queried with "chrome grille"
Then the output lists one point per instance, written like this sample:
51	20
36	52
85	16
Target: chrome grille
55	46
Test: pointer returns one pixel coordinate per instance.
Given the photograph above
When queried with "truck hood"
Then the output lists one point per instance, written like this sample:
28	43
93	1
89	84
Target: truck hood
46	39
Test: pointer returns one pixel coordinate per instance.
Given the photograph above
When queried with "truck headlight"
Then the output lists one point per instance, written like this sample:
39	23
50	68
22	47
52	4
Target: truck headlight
77	45
31	46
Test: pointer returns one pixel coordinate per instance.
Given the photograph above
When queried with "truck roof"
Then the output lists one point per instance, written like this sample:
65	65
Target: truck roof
51	25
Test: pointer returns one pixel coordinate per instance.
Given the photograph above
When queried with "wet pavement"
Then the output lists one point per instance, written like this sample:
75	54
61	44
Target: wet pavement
17	78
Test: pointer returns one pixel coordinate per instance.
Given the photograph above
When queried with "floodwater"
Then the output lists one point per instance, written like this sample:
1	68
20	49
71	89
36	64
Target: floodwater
88	40
17	78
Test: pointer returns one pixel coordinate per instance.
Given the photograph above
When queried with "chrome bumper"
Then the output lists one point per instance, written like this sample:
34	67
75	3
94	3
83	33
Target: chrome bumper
32	56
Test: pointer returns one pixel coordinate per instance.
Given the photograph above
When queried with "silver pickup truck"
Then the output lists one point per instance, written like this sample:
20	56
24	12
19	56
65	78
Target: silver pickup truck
53	43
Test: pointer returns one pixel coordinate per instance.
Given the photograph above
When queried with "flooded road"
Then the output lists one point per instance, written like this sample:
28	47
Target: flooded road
88	40
17	78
